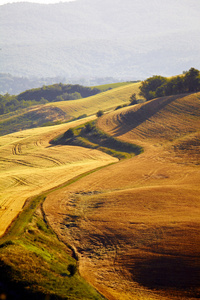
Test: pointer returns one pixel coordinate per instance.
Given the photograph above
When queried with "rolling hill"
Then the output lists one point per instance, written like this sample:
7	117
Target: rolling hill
135	224
63	111
130	226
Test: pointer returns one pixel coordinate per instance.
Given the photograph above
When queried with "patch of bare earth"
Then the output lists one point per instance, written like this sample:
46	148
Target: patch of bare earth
135	224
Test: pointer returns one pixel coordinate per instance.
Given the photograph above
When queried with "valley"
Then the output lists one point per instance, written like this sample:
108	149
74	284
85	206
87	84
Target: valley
130	226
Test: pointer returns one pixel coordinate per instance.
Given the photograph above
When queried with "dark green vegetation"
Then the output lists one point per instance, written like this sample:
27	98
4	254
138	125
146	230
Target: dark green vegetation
58	92
89	136
51	93
34	264
158	86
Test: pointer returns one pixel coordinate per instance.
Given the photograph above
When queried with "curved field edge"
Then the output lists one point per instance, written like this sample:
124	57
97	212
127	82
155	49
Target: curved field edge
153	176
34	263
31	235
90	136
29	166
67	111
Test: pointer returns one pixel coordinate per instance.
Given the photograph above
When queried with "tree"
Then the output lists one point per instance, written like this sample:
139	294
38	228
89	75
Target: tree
148	87
158	86
192	80
99	113
133	99
69	134
72	269
89	127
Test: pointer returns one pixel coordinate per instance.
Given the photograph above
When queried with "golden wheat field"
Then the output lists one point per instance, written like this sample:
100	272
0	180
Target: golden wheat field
30	165
106	101
135	224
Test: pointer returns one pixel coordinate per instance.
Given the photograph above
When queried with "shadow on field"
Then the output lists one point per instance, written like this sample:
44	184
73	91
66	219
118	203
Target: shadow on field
167	272
134	118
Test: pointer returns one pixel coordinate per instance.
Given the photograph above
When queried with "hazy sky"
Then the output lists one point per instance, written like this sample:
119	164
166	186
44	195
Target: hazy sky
34	1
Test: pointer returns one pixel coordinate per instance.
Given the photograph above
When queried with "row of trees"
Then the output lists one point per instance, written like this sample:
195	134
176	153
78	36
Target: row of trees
159	86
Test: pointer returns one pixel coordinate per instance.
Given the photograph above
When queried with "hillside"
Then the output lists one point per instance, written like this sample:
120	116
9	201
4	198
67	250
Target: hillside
87	39
131	227
137	221
63	111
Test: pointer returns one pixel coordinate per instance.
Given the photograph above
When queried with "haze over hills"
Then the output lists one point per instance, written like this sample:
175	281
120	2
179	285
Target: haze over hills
95	39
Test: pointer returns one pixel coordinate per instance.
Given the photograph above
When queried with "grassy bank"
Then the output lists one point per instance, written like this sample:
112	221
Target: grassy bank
34	264
88	135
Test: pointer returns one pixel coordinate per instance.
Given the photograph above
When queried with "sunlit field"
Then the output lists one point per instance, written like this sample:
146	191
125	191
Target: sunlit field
135	224
30	165
105	101
60	112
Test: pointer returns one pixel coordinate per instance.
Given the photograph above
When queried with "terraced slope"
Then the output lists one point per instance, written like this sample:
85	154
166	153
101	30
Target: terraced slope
135	224
30	165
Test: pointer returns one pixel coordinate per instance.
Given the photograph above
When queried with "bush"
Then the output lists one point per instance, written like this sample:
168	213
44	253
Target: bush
69	134
72	269
89	127
99	113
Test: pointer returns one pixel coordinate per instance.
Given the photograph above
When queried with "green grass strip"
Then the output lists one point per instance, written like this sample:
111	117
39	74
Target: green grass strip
89	136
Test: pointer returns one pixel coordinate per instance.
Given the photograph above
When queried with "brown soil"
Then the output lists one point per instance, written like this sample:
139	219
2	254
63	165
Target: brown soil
135	224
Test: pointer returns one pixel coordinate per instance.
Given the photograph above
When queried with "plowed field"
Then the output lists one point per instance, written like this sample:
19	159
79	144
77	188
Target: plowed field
135	224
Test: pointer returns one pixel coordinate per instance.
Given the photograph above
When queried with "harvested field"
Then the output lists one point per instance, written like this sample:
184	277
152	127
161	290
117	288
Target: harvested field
135	224
30	165
107	100
58	112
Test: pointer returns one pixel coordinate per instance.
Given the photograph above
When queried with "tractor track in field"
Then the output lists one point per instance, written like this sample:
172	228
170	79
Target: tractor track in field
20	181
20	162
17	149
49	158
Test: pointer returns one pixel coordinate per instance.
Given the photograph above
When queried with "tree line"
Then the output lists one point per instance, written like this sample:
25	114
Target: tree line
159	86
43	95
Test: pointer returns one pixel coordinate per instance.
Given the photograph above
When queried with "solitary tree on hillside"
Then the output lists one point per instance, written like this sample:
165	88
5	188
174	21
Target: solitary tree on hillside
99	113
133	99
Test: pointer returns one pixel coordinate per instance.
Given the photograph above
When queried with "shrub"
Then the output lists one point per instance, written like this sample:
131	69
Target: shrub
72	269
133	99
89	127
99	113
69	134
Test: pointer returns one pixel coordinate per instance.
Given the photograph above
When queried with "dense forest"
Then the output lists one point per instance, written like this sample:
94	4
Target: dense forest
159	86
45	94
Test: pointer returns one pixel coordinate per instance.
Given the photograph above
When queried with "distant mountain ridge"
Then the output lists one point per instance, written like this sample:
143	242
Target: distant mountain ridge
127	39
